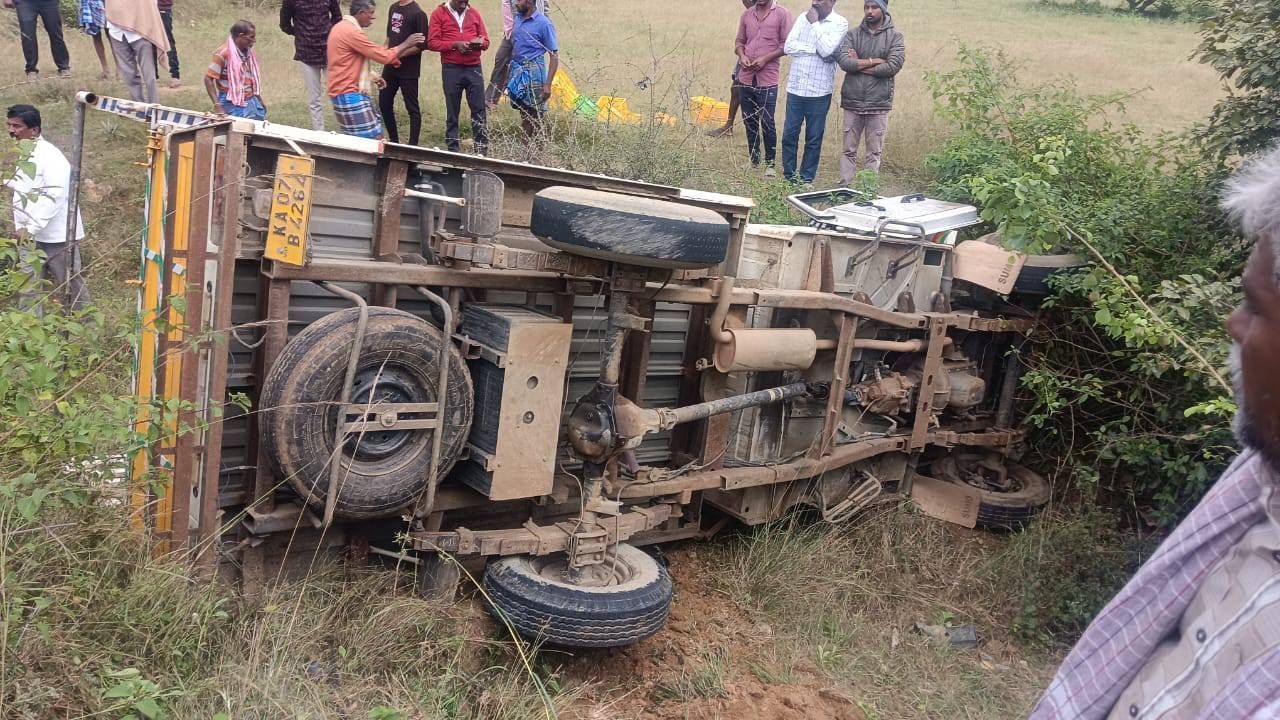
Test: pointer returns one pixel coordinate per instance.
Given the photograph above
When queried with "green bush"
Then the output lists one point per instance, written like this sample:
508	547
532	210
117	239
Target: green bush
1126	386
1241	41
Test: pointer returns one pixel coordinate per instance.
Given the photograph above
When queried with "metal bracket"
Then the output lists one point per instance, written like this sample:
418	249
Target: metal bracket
587	547
388	416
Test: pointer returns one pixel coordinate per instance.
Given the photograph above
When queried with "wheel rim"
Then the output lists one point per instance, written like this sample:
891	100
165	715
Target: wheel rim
612	572
375	385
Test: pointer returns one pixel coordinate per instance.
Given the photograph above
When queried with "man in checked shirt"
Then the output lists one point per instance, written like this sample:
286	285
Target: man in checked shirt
1196	632
811	45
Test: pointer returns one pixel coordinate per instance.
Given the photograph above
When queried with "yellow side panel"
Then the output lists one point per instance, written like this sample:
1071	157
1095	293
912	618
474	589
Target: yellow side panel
290	210
181	208
149	303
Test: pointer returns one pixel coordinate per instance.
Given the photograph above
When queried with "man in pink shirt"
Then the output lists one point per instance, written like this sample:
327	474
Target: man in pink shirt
762	33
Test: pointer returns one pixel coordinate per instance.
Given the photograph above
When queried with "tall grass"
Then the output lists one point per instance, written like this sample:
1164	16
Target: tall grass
845	600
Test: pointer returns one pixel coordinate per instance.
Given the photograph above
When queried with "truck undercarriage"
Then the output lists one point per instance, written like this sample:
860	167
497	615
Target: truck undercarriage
384	348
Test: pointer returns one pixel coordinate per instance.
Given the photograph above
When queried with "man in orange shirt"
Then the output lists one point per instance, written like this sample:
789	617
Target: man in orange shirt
350	81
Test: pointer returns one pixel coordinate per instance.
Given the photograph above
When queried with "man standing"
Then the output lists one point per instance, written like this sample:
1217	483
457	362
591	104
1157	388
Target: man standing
502	61
350	82
458	34
137	35
762	33
812	45
47	12
1196	632
309	22
233	79
40	210
404	19
166	17
871	54
529	86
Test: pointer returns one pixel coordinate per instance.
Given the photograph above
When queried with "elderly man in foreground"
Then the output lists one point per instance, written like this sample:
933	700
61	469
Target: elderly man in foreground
1196	632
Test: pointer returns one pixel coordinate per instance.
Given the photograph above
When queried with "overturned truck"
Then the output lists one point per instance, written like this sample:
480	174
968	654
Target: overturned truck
376	348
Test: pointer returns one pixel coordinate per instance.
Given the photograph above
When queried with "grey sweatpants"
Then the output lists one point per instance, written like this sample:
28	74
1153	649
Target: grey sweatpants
137	64
60	268
856	126
317	93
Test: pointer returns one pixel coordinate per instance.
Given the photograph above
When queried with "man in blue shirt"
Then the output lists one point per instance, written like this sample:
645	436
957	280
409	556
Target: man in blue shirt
532	37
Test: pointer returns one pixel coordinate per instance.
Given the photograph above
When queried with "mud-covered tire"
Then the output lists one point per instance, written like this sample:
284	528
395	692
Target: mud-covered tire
627	229
1038	269
382	472
1011	510
524	591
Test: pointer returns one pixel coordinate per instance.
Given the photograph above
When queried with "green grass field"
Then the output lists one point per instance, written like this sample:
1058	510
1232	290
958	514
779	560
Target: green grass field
766	621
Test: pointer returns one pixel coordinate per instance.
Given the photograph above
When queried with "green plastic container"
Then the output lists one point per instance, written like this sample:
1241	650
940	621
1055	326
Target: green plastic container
586	107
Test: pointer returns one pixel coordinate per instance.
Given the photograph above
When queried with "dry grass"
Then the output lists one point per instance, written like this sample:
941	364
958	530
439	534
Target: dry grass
659	54
844	601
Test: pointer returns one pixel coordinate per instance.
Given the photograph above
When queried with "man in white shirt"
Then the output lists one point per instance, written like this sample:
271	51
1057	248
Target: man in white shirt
40	209
812	45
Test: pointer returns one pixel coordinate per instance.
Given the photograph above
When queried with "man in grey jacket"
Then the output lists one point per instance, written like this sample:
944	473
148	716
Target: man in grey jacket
871	55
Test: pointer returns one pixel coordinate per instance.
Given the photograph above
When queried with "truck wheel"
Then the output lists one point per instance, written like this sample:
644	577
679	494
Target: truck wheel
382	471
627	229
532	594
1011	509
1036	271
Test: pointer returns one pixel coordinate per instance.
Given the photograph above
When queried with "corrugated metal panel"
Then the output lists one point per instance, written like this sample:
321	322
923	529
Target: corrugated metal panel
309	303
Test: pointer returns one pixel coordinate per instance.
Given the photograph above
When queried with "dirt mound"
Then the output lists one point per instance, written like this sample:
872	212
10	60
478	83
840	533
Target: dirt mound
703	664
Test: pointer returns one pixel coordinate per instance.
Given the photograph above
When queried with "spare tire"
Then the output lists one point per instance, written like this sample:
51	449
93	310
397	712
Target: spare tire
382	471
532	595
628	229
1036	271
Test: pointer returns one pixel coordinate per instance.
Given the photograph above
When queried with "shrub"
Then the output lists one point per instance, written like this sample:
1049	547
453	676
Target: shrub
1242	42
1126	385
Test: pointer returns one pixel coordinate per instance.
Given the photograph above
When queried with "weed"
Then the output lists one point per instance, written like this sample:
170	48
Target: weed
702	678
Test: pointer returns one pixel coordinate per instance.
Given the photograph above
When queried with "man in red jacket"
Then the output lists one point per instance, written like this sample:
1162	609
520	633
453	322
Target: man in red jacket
457	32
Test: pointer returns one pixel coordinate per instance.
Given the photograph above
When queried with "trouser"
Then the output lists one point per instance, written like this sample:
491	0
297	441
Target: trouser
317	93
47	12
501	71
758	107
460	79
61	268
408	86
137	64
873	126
166	16
812	113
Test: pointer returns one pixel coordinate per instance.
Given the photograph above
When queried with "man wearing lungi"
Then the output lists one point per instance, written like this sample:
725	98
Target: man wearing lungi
350	81
532	37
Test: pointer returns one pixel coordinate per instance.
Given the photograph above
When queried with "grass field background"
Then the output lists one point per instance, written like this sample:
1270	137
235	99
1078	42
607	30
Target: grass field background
660	53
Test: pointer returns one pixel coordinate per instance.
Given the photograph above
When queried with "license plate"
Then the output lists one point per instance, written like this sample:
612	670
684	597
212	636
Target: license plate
290	210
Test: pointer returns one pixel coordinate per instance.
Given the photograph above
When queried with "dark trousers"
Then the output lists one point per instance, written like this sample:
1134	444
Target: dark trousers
460	79
758	107
166	16
812	112
407	86
501	71
47	12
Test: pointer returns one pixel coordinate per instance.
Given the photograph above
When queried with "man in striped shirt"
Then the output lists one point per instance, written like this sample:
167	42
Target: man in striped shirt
1196	632
811	45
